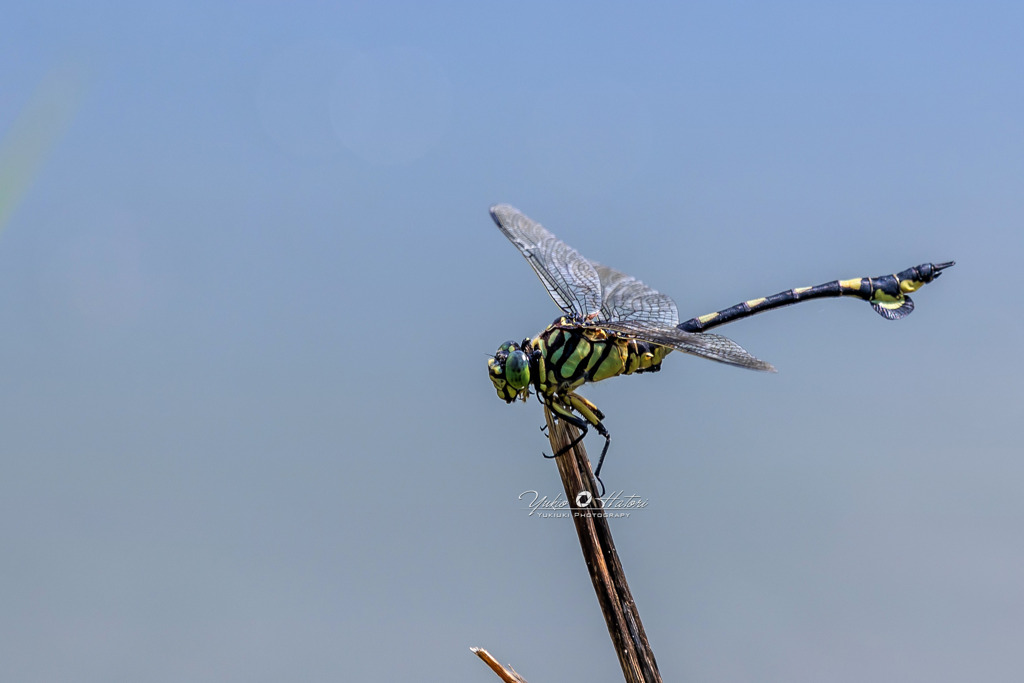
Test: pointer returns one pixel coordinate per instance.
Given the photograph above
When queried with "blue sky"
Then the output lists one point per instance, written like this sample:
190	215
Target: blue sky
248	284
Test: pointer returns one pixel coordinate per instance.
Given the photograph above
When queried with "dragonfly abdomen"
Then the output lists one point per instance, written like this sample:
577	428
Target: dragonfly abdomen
887	295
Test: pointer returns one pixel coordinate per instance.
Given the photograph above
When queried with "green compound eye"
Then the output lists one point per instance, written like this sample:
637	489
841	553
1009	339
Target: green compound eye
508	346
517	369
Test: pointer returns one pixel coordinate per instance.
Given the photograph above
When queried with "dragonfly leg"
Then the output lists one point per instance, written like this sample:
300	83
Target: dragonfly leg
604	451
563	412
594	416
589	415
569	446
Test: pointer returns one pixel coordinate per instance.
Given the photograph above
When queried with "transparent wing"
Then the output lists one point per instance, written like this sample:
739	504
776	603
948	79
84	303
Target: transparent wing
711	346
626	299
569	278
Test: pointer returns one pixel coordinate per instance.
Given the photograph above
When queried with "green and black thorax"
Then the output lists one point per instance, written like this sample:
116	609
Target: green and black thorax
567	355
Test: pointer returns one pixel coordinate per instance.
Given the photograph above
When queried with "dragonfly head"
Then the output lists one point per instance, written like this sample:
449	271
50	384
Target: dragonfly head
509	371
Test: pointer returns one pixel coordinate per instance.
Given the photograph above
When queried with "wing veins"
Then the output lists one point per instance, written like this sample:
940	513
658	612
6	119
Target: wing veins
711	346
568	276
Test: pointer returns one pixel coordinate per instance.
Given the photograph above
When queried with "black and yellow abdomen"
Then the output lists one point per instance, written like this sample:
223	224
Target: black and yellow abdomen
887	294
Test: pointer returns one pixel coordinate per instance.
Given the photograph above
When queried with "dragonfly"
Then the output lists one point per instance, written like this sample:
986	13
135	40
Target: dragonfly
613	324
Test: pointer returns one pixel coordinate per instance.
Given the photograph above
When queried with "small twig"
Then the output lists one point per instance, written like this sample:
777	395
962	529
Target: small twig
508	675
621	616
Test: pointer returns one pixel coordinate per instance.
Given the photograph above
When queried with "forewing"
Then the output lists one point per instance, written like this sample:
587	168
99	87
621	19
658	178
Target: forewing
710	346
626	299
569	278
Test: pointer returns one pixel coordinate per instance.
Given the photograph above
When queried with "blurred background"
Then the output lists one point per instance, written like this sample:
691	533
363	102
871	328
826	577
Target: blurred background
248	285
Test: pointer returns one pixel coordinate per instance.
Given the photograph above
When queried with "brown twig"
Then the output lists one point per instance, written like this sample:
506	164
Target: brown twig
508	675
620	613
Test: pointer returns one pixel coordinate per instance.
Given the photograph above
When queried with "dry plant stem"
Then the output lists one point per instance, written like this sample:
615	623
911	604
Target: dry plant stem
620	613
508	675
